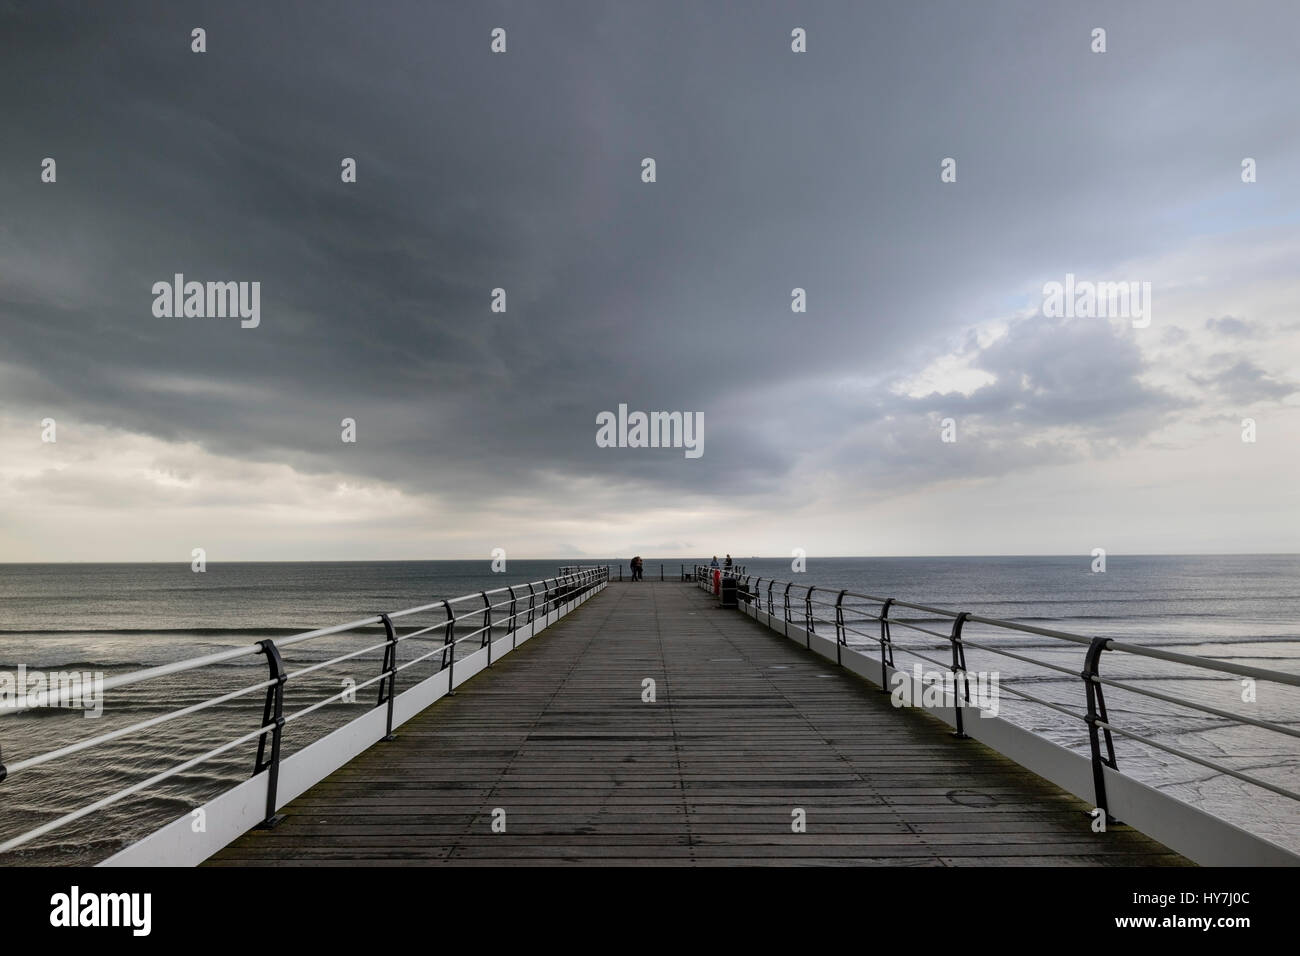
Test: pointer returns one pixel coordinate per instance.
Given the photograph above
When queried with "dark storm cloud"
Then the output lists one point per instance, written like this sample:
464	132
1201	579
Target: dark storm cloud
522	171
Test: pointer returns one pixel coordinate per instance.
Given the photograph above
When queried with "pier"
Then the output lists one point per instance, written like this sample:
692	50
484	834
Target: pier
746	732
710	717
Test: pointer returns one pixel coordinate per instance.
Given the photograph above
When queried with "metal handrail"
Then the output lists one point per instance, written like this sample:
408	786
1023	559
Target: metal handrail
552	593
1100	725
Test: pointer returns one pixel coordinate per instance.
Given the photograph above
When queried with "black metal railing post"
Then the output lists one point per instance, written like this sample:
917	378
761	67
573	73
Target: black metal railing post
487	626
841	638
532	602
808	617
514	624
886	645
959	667
272	713
1097	713
449	642
787	609
769	599
388	676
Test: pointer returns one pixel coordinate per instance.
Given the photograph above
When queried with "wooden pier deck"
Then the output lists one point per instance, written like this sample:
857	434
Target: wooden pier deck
745	728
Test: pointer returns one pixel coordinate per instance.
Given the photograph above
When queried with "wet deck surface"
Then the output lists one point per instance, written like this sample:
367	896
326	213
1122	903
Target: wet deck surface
745	729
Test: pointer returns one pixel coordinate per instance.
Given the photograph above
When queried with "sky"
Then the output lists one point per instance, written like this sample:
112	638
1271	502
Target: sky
523	170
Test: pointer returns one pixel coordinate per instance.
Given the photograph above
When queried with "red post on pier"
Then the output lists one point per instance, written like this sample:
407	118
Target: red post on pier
717	581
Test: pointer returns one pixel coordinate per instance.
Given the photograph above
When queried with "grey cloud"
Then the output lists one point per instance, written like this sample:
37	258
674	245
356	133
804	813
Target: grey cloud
1230	326
1065	390
1241	380
521	171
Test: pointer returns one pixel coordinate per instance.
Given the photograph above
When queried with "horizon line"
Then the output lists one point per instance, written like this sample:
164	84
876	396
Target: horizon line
561	559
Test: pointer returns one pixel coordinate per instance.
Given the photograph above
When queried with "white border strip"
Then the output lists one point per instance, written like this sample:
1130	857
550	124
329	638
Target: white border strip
235	812
1197	835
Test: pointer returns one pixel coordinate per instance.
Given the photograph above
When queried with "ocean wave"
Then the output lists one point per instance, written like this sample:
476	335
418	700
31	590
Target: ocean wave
77	665
200	631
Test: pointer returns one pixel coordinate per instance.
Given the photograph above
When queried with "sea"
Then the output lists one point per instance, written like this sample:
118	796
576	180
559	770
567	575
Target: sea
115	618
